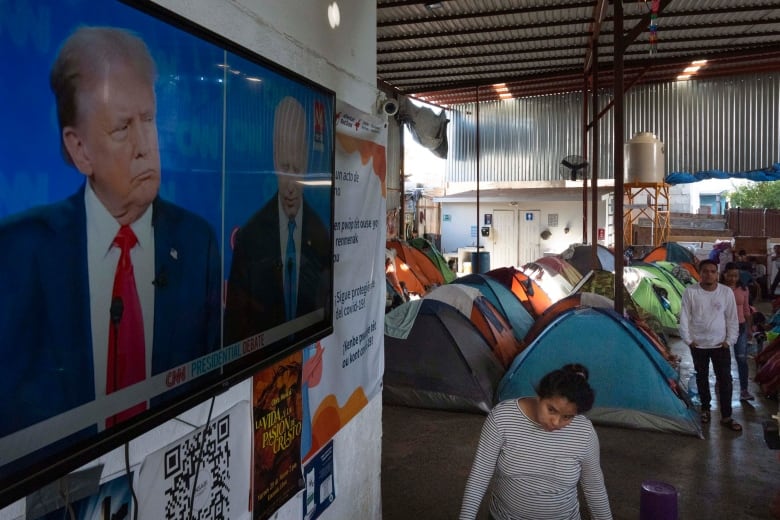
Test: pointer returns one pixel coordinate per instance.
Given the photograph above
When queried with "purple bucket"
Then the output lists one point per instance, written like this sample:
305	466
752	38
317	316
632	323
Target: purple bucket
658	501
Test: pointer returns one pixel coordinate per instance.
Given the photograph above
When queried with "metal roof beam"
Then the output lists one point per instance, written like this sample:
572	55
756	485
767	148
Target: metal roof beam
553	76
483	14
599	14
388	64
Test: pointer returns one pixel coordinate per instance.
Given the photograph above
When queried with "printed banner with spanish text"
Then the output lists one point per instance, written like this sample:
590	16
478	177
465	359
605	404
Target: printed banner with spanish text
352	358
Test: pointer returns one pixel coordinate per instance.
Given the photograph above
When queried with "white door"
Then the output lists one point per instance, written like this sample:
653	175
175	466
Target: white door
530	227
504	239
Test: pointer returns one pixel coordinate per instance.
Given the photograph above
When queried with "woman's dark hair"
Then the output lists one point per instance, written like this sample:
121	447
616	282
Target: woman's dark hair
728	267
570	382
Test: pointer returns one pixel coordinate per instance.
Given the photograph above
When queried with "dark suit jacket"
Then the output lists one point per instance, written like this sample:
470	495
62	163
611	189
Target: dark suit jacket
45	323
255	292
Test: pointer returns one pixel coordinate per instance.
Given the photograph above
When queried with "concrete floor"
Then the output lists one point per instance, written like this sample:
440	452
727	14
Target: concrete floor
427	455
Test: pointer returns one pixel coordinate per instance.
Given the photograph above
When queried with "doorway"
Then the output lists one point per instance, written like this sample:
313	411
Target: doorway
504	239
529	235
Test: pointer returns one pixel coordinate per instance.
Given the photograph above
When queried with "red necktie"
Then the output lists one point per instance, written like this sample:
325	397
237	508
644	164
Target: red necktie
126	350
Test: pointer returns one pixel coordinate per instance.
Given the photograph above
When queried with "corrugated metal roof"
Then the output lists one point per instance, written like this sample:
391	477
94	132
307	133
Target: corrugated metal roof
446	52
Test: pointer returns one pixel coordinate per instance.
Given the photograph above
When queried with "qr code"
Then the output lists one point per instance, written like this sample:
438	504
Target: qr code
211	500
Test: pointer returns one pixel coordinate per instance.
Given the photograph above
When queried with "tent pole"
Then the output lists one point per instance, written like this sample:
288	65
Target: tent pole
619	138
594	171
585	156
477	259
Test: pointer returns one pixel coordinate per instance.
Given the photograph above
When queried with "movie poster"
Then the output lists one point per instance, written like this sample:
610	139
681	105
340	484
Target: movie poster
277	419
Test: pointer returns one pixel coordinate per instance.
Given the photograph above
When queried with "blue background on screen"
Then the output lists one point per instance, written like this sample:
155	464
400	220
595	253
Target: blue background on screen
199	172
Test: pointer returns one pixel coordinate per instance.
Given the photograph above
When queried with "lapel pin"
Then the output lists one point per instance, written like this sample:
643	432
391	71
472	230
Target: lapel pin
174	254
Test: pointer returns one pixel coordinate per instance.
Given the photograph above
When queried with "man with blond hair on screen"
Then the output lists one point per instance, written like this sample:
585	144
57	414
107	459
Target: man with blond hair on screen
112	285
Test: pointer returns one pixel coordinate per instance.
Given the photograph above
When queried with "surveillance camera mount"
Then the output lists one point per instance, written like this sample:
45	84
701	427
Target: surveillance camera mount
390	107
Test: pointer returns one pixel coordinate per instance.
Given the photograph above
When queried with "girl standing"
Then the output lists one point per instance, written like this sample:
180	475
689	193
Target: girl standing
539	449
742	297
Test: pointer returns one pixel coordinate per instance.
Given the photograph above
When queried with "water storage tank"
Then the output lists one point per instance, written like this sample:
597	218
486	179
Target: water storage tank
644	159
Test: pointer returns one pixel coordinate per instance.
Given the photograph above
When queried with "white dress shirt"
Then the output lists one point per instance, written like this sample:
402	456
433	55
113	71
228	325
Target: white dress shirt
102	260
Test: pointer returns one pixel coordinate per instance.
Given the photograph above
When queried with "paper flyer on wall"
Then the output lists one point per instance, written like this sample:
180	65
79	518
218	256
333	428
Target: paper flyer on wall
343	371
320	490
221	479
277	417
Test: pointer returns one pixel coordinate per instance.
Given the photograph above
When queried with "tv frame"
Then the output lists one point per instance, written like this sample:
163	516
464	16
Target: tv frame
62	459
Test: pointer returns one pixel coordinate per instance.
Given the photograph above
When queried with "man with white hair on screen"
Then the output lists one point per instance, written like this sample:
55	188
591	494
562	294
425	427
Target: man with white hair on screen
282	253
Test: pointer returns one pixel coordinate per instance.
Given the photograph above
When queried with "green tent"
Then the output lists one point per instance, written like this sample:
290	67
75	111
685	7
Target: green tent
638	299
436	257
656	291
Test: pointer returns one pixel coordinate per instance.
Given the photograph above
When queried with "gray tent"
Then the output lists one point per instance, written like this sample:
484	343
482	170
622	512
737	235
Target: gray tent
579	255
436	358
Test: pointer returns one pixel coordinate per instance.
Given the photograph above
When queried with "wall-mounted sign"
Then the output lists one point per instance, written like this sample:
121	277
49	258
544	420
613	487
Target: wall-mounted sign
447	218
529	215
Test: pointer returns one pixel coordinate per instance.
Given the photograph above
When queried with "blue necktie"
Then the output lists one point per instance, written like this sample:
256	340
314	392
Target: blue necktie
290	287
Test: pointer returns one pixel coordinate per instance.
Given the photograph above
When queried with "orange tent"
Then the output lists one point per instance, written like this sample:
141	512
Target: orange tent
406	276
530	294
674	252
422	266
671	251
488	320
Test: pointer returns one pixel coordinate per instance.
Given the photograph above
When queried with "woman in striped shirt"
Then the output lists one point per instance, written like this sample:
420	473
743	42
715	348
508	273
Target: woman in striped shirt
539	448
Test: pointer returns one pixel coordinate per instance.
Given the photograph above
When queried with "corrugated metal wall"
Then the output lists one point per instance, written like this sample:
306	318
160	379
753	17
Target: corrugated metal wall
754	222
729	124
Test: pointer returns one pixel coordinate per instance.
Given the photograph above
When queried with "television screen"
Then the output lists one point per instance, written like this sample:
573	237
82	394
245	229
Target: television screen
166	207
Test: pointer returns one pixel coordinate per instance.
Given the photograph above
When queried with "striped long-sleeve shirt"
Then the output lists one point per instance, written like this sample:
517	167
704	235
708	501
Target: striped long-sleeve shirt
536	470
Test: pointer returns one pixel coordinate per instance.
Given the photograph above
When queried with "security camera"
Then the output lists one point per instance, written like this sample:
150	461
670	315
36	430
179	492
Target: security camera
390	107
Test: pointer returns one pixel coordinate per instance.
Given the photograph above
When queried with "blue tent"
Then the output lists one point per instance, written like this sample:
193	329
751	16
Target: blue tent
635	386
502	299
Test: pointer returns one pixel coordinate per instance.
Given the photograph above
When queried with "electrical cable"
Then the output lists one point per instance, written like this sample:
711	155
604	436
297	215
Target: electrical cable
193	426
130	480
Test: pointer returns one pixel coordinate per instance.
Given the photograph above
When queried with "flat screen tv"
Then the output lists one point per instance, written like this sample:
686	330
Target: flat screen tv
166	208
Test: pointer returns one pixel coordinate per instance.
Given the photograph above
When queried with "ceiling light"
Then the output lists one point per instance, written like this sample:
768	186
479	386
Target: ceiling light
683	77
690	70
699	62
433	5
334	15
